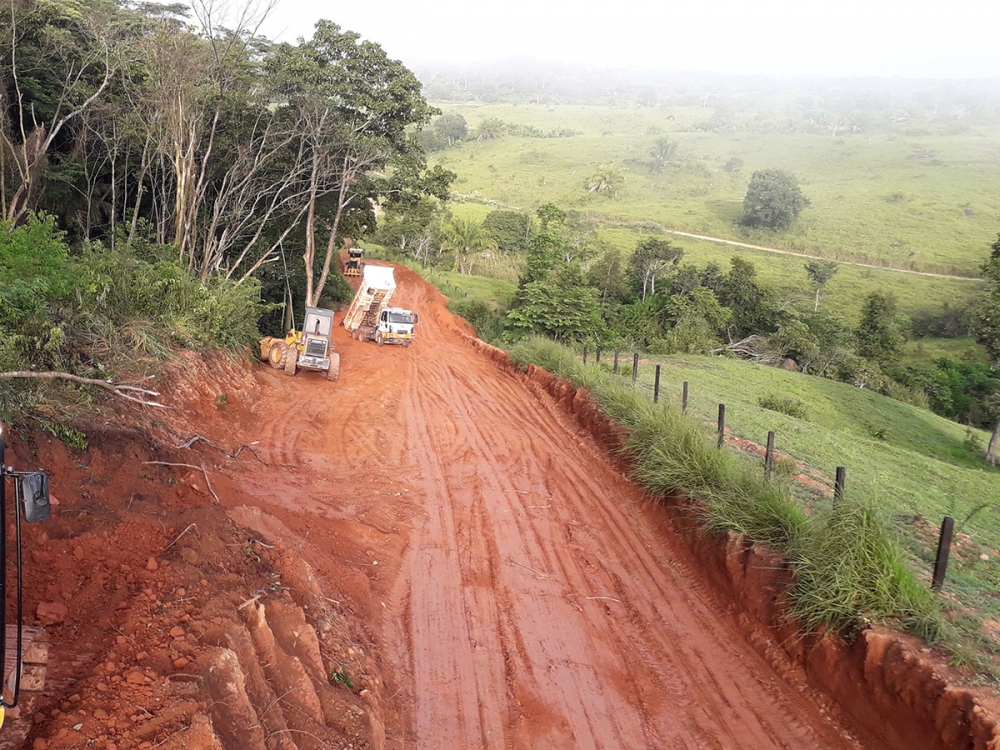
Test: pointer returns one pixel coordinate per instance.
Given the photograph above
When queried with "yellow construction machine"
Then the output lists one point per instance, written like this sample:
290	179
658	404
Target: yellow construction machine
308	349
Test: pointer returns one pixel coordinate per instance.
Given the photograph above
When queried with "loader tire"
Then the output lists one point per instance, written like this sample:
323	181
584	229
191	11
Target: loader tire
291	362
378	339
334	372
276	357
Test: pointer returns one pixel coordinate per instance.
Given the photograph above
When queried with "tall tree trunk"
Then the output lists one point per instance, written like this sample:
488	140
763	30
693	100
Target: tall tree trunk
816	306
991	450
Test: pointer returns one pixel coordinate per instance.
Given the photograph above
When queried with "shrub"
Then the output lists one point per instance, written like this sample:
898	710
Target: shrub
793	407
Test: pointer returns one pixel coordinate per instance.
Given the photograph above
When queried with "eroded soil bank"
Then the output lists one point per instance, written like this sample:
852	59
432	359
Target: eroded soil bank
430	552
887	682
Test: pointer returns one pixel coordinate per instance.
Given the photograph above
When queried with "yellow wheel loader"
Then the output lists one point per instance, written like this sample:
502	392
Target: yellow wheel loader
308	349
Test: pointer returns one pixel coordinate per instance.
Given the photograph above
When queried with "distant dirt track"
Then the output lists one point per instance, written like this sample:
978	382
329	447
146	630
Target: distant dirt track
819	257
522	593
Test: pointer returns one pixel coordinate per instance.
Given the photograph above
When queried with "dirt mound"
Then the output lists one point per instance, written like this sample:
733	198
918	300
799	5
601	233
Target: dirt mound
170	624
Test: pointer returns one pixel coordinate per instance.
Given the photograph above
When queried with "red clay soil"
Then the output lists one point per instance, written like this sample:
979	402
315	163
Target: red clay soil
430	552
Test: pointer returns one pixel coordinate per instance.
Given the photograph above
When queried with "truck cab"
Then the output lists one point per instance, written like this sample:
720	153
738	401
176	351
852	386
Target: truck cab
395	326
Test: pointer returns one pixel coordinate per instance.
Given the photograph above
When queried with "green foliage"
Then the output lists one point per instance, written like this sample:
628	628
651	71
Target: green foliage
607	178
509	230
340	677
878	336
792	407
773	200
68	435
451	128
559	305
848	564
487	320
752	303
653	258
35	269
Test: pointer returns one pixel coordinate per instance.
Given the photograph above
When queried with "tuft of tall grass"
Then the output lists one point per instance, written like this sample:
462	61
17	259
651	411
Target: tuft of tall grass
848	566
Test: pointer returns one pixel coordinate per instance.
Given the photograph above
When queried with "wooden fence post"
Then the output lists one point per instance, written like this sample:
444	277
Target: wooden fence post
722	425
838	484
943	551
597	355
635	367
584	355
656	386
684	398
769	455
616	362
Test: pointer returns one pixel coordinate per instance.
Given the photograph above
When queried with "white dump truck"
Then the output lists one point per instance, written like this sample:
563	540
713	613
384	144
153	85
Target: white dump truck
369	318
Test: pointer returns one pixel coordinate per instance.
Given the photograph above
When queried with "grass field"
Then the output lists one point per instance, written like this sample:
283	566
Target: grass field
922	199
913	464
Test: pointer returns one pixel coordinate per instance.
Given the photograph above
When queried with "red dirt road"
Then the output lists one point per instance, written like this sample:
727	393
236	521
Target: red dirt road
520	592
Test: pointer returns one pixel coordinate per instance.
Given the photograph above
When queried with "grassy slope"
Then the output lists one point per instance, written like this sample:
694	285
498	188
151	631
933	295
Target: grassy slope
920	467
894	199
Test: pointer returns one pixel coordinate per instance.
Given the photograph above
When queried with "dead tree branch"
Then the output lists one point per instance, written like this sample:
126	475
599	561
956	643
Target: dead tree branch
125	391
189	466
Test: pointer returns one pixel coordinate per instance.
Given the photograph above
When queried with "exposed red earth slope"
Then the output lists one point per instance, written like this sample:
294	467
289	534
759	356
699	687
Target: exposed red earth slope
434	530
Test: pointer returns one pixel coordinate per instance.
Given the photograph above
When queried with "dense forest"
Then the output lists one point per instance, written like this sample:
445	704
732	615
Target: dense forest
167	179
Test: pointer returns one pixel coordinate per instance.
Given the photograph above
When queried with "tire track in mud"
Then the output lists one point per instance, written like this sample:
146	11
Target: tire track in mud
472	413
537	600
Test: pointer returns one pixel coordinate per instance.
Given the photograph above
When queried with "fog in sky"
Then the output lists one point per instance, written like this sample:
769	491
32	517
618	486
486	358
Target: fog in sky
955	39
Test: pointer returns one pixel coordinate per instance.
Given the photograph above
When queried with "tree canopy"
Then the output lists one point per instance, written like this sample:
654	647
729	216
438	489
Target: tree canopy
773	200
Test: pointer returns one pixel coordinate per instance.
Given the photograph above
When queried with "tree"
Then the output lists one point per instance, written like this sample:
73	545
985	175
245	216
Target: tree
877	334
550	213
773	200
606	178
560	305
986	327
452	128
354	108
653	258
509	230
491	129
662	154
465	237
820	272
752	303
733	165
607	274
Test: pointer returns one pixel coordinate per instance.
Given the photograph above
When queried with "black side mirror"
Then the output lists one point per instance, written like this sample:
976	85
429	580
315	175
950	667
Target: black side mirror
416	318
35	496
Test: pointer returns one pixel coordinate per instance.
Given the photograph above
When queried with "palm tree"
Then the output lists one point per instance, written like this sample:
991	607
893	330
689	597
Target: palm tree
465	237
490	129
608	177
663	154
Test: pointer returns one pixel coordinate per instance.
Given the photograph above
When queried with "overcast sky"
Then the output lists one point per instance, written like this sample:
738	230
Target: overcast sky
958	38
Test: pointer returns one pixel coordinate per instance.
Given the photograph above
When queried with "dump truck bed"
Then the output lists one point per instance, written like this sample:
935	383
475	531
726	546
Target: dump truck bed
377	288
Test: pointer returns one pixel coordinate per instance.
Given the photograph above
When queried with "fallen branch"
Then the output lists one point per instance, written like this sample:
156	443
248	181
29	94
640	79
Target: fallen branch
190	526
244	447
189	466
124	391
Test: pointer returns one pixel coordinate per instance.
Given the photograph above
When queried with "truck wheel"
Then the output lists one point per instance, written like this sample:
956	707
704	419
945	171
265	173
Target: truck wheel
407	344
277	354
378	339
334	372
291	361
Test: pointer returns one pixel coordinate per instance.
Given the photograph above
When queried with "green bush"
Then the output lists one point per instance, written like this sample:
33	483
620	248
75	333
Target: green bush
487	319
793	407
